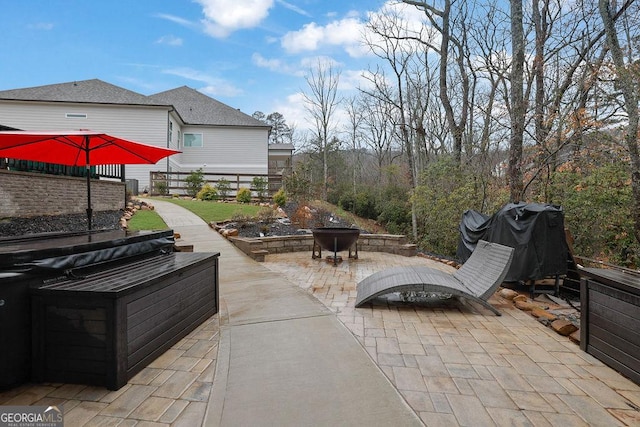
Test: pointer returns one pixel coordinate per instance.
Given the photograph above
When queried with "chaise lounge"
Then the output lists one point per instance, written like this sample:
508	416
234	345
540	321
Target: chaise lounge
476	280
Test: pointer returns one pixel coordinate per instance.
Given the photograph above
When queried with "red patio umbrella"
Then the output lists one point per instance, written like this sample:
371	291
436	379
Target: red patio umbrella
78	148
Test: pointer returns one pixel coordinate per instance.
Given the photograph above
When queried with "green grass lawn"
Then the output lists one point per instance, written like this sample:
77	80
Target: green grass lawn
146	220
208	211
214	211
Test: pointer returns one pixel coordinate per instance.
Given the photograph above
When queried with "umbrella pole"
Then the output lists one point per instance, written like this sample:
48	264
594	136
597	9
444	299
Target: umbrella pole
88	172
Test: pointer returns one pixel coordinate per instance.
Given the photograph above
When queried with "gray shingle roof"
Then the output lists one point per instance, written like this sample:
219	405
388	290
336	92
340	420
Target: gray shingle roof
198	109
193	107
93	91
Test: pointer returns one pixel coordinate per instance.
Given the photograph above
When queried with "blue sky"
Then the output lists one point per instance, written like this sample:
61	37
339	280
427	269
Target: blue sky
249	54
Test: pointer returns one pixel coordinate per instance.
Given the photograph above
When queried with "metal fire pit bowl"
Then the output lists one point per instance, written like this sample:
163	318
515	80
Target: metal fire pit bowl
335	239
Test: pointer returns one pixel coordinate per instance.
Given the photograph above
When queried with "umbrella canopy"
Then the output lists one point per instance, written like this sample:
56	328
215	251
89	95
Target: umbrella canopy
78	148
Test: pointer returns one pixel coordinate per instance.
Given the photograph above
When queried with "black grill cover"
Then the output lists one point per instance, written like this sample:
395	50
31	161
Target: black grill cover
535	231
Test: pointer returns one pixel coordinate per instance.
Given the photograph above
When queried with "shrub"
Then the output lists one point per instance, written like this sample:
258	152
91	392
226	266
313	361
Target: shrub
348	202
244	195
366	205
298	186
267	215
194	181
208	192
162	188
596	205
446	191
241	220
259	185
280	198
223	188
396	216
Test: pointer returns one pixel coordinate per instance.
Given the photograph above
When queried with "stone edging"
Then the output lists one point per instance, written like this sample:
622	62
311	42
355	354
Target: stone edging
257	248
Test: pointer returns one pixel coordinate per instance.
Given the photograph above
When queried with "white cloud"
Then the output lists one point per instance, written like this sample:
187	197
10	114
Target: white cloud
214	86
276	65
178	20
222	17
353	79
308	38
293	110
293	7
349	32
170	40
45	26
312	62
344	32
222	88
403	21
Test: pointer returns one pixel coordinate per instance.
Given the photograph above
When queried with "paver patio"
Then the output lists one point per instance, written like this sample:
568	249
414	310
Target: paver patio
459	364
454	364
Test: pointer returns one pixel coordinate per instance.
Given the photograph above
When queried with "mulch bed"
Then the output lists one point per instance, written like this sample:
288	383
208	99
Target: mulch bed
103	220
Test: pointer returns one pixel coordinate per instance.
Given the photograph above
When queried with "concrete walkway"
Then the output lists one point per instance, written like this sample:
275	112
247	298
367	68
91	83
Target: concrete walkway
283	357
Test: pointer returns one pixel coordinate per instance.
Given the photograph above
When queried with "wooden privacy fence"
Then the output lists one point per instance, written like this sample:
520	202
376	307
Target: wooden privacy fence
164	183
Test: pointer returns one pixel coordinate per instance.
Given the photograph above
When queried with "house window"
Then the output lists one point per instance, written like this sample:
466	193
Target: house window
192	140
170	131
76	115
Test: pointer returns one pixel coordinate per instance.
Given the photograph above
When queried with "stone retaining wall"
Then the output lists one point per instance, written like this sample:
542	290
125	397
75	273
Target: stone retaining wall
257	248
26	194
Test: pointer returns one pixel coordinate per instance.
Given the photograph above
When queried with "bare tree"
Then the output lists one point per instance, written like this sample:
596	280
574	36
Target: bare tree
321	102
452	48
355	116
378	129
626	83
391	43
518	102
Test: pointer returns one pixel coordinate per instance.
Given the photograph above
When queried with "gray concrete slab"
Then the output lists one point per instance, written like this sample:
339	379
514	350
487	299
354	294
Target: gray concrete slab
303	372
263	300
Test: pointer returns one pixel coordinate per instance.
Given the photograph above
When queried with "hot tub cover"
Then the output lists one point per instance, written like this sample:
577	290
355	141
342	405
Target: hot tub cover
535	231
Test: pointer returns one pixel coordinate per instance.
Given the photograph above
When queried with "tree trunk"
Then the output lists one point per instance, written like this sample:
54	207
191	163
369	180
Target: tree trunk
518	104
625	83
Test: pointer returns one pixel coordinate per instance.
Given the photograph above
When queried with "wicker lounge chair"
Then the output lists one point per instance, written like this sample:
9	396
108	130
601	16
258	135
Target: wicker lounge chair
476	280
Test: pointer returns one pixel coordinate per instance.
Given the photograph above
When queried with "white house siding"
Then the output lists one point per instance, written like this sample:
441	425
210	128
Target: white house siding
227	150
138	123
176	133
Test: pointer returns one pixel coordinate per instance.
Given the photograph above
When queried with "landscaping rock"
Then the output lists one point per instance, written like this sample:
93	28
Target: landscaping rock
575	337
230	232
563	327
526	305
509	294
543	314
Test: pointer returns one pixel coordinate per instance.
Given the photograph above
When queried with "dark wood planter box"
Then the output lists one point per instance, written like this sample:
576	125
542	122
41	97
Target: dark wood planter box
105	328
610	319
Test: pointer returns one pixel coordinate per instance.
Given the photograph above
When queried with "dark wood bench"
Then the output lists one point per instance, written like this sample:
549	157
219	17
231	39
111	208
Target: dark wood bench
106	327
97	307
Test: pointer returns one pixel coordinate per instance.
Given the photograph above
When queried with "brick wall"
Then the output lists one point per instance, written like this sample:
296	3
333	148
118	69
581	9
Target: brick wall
24	194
